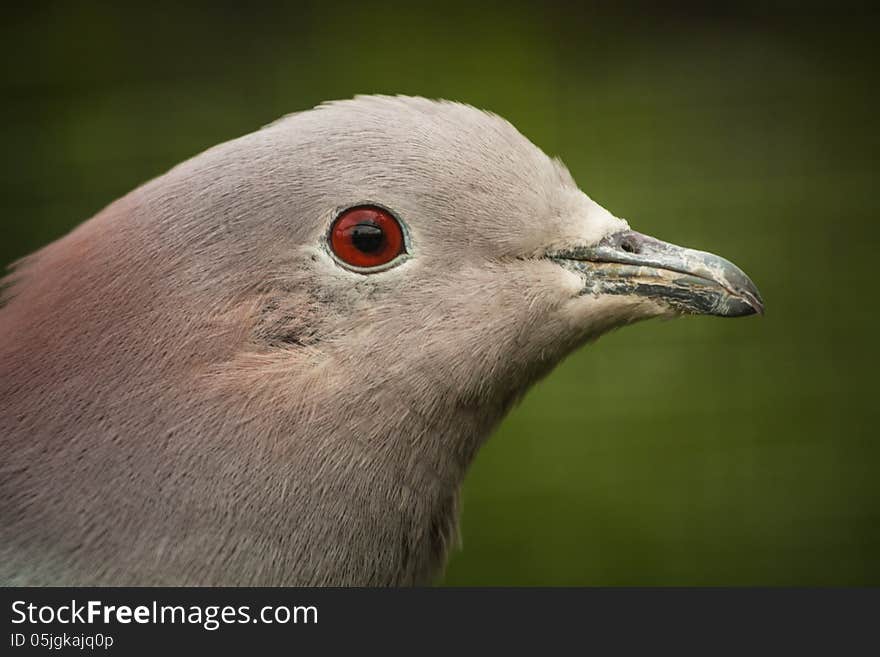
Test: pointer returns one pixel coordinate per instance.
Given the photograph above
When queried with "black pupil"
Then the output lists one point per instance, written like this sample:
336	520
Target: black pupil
367	237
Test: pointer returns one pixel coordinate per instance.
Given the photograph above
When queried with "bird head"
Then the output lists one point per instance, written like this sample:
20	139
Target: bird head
437	245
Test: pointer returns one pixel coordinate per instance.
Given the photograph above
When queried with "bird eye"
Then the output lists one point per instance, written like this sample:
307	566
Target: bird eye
366	237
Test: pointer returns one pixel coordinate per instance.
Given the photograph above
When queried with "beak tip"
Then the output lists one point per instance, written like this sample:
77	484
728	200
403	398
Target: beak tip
742	303
742	288
752	297
757	304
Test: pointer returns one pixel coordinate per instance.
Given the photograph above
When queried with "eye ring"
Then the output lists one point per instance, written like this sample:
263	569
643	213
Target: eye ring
367	238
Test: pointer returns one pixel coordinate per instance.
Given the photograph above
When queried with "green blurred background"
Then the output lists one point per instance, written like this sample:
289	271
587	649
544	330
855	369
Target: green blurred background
697	451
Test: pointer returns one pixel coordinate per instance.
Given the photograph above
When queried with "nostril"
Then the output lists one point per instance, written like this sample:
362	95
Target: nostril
629	245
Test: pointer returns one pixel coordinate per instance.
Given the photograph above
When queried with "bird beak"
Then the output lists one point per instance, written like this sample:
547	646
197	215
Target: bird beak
687	281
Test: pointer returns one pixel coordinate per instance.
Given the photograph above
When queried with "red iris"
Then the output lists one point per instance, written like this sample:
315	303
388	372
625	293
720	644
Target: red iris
366	236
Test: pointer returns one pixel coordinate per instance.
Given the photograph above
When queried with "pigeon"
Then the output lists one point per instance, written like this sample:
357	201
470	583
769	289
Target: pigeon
274	364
